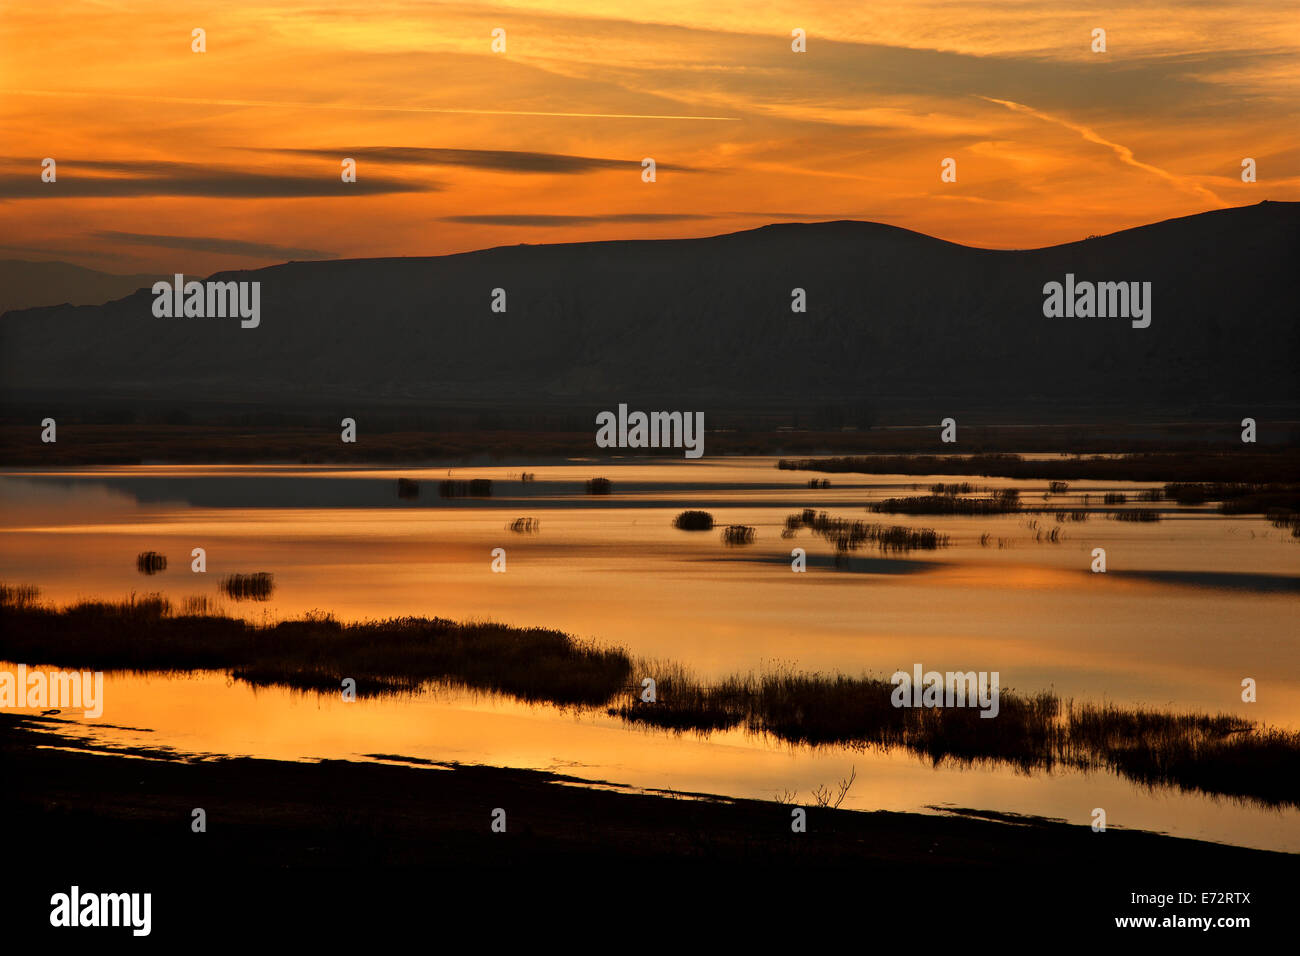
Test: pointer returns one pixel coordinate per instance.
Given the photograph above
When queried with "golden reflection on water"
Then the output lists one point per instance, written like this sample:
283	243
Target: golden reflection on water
208	714
614	570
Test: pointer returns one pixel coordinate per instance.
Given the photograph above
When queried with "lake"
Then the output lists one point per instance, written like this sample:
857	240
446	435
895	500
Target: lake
1189	607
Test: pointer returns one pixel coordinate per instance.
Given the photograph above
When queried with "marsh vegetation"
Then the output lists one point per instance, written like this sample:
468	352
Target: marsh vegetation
249	587
848	535
1214	754
1005	501
737	534
150	562
694	521
465	488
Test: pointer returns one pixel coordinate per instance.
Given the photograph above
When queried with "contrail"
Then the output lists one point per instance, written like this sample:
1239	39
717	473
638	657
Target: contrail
374	109
1123	152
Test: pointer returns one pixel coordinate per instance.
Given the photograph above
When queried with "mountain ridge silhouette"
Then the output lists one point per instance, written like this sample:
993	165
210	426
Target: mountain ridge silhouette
893	316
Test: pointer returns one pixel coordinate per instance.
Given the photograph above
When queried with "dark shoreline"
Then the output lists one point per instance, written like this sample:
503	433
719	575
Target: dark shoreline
337	823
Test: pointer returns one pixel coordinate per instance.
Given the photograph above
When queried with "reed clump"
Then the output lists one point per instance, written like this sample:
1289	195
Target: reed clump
1140	515
848	535
681	701
199	605
952	488
737	534
1285	520
694	521
465	488
249	587
1005	501
19	595
1236	497
150	562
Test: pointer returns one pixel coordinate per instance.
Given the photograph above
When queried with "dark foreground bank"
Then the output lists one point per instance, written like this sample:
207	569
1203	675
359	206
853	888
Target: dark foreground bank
292	847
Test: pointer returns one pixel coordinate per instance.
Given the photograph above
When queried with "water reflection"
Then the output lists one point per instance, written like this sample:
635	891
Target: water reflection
206	713
1190	606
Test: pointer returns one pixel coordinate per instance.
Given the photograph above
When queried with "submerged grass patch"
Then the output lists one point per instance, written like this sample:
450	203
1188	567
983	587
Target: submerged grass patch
249	587
849	535
738	534
150	562
462	488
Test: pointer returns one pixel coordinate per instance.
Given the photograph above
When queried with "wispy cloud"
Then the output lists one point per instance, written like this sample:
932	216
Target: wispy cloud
355	107
1124	154
543	142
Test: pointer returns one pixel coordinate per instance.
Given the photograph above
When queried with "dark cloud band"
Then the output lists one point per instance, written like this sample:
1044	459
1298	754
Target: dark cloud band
525	220
500	160
234	247
21	179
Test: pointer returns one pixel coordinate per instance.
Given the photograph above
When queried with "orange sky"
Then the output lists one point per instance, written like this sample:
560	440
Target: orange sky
170	160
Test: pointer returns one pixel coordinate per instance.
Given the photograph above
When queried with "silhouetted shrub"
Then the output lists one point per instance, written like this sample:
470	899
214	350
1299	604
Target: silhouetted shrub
694	521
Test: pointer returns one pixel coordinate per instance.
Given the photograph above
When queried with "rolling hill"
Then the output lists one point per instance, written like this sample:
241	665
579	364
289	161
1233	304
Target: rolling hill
894	318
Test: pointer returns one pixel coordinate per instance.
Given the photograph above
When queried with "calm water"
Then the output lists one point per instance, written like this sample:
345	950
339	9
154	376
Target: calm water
1189	607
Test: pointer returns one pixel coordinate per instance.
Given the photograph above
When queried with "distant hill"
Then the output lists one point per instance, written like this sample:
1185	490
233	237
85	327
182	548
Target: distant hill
893	318
26	284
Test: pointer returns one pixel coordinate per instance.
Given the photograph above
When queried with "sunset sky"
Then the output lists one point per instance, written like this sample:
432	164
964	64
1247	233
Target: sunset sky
170	160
